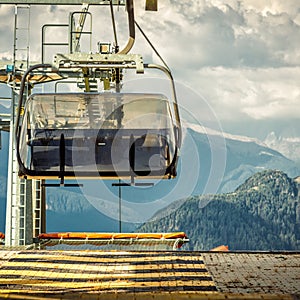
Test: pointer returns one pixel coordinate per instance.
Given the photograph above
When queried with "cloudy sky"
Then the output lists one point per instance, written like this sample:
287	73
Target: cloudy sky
242	58
236	63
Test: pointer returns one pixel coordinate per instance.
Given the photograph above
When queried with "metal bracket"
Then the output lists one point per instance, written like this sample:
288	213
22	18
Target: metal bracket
101	61
62	151
133	184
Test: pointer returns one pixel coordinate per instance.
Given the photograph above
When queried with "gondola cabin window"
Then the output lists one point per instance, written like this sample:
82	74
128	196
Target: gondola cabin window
98	134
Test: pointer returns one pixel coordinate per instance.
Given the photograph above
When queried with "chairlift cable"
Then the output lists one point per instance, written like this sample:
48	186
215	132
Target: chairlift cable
151	45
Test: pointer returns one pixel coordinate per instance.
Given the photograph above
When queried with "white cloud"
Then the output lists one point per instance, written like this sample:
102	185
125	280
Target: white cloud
290	146
6	30
190	35
273	6
264	93
215	33
242	56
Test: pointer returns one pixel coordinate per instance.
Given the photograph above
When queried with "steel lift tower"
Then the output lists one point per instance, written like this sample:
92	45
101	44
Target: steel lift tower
25	198
25	213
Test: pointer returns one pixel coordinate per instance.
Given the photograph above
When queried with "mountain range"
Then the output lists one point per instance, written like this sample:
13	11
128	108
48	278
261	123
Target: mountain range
288	146
261	214
244	157
210	162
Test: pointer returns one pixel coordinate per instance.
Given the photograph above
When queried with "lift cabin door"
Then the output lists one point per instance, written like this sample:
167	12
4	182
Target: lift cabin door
111	135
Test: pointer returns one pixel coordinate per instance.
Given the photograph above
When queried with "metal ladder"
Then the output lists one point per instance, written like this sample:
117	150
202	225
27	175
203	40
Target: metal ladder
20	192
39	207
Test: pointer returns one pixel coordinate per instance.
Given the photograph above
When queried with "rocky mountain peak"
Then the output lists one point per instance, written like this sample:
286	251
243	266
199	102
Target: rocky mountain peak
277	182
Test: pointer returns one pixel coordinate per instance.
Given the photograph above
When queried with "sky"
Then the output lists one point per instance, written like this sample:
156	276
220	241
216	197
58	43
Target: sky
236	64
242	58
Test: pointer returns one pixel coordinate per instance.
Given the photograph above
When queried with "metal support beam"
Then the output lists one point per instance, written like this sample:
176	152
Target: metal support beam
19	226
4	125
97	60
64	2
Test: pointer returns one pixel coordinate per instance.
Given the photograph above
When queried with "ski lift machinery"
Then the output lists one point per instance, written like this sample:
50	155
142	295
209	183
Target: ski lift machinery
109	134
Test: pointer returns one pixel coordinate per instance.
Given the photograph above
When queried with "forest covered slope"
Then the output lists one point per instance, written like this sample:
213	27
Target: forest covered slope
261	214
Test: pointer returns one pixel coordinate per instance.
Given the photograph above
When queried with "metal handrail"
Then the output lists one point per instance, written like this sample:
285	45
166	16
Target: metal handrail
50	44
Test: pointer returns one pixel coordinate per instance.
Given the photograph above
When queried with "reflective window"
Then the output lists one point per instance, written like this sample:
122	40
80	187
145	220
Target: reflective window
111	135
107	110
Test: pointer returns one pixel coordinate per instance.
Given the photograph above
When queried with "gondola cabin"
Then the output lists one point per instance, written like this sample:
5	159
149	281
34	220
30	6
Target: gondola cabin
92	135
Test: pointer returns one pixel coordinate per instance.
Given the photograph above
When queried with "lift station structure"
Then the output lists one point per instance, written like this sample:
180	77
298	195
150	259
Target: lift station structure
50	134
132	135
